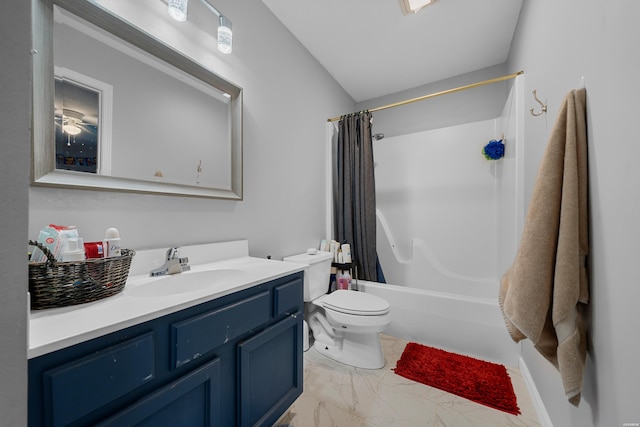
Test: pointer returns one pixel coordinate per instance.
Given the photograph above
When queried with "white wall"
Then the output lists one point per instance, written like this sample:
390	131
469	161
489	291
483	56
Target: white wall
556	43
287	99
15	136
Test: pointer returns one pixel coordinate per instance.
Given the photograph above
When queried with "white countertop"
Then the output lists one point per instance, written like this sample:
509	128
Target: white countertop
57	328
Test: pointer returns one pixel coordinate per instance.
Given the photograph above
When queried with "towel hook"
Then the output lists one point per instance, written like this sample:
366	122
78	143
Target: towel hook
543	106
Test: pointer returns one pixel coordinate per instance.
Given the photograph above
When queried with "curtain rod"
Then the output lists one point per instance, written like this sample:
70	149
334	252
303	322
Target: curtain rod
444	92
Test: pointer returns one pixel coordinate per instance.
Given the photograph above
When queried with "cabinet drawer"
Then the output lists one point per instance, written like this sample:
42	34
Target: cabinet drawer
77	388
201	334
192	400
288	296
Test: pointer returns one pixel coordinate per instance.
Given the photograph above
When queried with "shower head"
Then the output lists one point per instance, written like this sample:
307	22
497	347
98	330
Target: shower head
377	136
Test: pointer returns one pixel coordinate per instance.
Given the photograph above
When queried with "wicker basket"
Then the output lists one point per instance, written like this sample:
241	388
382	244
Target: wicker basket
60	284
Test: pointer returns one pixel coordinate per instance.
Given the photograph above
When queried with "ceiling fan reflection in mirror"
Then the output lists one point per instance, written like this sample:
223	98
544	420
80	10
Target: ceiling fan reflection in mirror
71	125
71	120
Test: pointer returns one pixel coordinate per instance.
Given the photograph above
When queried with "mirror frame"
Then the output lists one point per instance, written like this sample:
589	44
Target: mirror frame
43	170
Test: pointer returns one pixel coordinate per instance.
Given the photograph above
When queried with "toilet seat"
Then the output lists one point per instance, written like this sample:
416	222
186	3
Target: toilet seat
355	303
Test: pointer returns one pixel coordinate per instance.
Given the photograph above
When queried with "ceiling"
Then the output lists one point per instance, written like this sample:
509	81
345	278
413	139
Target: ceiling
372	49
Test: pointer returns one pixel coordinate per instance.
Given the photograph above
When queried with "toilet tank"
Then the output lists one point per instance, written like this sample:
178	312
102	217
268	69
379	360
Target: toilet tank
316	275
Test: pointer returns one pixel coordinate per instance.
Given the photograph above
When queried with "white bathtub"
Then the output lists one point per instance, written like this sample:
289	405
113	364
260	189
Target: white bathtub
468	325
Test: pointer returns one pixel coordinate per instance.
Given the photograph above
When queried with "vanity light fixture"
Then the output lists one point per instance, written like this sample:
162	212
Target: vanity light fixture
178	11
413	6
225	35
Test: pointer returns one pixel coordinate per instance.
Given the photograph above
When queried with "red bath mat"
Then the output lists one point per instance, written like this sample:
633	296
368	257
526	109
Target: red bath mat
482	382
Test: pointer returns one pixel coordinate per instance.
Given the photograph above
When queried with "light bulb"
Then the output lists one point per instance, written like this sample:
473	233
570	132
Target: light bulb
178	9
225	36
71	129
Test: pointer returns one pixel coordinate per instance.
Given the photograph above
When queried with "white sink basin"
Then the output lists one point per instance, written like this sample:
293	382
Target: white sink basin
182	283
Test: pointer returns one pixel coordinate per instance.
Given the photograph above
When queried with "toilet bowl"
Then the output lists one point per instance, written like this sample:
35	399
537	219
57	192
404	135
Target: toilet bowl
345	325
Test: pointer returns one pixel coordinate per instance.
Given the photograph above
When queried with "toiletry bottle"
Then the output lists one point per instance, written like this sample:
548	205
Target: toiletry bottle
94	249
346	253
334	250
343	280
333	279
339	280
74	250
347	279
111	243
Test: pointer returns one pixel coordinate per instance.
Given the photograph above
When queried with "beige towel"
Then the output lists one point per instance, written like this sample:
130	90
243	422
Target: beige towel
542	294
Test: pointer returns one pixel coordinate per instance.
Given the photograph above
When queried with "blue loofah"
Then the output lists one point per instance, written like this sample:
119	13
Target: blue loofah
494	150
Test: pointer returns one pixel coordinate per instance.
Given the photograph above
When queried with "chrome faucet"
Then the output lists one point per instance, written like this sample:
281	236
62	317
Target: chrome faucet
173	264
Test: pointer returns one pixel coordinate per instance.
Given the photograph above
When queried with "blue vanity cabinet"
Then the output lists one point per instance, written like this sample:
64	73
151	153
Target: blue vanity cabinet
192	400
232	361
270	372
270	362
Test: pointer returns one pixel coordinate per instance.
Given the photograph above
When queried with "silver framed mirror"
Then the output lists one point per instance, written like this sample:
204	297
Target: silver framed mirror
117	109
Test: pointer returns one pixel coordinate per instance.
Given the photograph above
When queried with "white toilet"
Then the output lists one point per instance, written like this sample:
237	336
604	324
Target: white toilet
345	324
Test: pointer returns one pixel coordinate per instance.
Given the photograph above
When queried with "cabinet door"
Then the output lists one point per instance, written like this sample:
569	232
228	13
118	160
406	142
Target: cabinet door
193	400
78	388
270	372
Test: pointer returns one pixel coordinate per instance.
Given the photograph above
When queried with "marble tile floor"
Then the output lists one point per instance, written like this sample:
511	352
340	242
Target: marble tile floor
337	395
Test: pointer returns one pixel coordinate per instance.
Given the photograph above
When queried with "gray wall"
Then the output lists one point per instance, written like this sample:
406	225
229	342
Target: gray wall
556	43
481	103
15	137
287	99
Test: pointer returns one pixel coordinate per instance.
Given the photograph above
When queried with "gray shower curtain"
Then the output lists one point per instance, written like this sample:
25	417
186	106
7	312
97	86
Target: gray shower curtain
355	193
